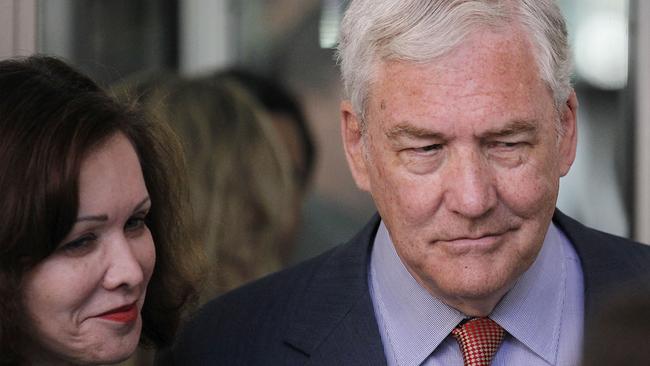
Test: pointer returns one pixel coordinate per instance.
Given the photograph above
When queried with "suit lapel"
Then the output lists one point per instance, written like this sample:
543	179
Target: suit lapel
607	262
588	249
334	321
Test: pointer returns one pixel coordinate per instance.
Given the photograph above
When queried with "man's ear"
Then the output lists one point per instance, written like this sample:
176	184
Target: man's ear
353	145
569	140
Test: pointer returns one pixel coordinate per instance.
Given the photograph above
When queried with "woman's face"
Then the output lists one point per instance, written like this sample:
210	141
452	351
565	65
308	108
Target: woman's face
84	300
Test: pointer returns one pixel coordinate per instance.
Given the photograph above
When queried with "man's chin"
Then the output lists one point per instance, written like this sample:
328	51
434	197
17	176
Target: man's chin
474	296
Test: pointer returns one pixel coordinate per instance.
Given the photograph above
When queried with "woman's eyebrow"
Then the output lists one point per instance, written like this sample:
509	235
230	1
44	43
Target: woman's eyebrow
105	217
93	218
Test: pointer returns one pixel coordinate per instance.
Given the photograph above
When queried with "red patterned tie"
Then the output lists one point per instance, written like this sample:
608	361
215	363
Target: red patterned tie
479	340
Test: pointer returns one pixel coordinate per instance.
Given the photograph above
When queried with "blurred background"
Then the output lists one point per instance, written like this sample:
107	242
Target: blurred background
292	41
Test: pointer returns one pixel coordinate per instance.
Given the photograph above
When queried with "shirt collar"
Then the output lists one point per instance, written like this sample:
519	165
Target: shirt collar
417	323
532	310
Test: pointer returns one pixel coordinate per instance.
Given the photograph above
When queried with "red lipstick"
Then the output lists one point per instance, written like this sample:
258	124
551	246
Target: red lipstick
124	314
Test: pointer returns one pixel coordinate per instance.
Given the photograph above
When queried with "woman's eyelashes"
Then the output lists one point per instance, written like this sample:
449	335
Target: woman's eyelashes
137	222
79	245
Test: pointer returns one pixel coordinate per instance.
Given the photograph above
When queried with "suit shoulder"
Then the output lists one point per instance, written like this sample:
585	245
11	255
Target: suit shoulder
251	325
251	317
280	287
621	245
593	242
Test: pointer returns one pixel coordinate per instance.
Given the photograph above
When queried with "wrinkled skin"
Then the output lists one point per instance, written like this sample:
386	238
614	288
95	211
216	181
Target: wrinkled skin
463	159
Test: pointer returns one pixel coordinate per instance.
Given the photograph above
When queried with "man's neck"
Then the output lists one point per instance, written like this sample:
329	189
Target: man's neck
472	307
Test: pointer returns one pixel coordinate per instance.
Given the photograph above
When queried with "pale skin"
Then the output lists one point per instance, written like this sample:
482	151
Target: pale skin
463	160
103	264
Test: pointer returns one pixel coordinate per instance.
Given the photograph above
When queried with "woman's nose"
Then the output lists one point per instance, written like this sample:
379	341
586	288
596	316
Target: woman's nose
124	268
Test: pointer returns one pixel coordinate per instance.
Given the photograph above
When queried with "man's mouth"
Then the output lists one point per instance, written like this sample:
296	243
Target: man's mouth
479	243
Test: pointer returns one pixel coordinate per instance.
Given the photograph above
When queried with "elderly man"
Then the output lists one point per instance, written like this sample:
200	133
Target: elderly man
460	121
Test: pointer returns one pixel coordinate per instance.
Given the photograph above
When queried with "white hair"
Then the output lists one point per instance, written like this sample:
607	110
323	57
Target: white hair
373	31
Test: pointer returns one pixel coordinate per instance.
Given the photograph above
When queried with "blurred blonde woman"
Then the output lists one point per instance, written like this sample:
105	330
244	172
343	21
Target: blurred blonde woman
242	185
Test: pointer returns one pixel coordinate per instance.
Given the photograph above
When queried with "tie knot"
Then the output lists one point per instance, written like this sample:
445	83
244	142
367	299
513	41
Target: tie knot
479	340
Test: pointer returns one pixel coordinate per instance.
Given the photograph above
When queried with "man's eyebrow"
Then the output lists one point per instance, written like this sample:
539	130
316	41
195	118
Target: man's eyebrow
105	217
513	128
408	130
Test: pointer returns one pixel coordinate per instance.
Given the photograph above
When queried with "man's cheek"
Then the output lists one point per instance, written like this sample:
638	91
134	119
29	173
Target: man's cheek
527	194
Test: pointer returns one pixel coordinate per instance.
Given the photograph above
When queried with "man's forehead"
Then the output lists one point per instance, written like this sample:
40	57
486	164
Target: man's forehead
481	89
511	46
482	65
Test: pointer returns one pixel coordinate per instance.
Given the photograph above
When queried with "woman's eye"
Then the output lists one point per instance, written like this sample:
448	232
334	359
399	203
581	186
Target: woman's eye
80	244
135	223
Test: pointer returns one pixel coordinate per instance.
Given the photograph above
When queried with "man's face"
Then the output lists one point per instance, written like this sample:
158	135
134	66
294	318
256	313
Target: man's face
463	161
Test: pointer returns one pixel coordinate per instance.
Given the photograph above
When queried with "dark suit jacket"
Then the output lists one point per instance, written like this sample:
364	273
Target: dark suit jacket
320	312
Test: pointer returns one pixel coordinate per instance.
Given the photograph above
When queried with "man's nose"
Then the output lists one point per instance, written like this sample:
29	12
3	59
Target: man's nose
124	269
470	185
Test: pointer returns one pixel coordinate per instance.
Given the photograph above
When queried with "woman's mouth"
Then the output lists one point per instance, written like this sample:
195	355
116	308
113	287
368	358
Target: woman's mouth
123	314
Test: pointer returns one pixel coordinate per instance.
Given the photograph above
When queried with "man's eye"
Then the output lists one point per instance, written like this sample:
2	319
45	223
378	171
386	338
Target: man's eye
507	144
80	244
428	148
